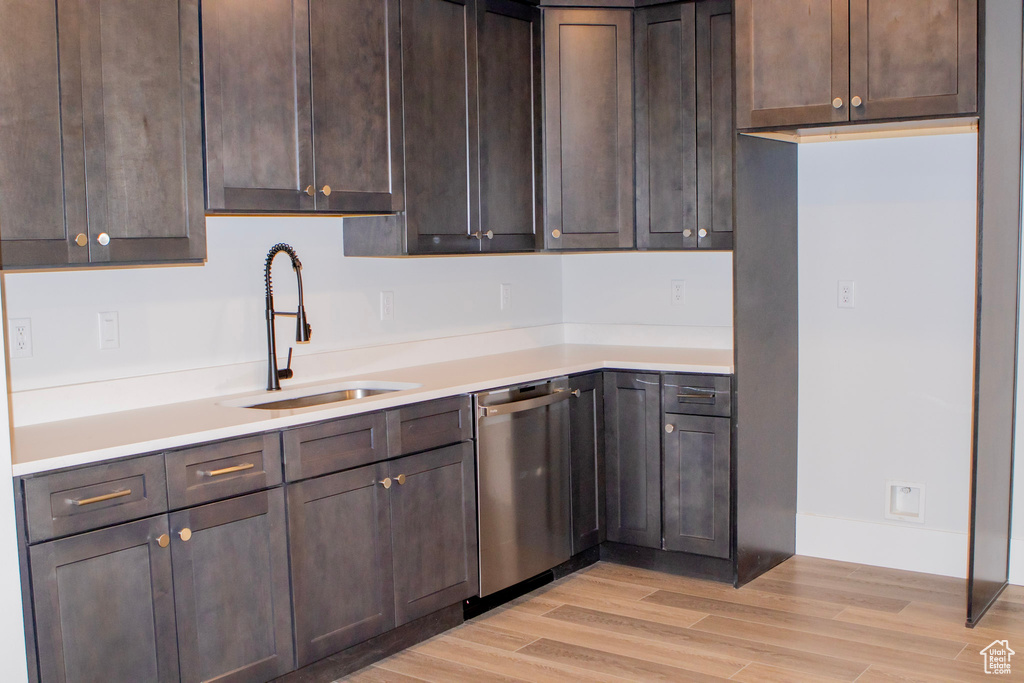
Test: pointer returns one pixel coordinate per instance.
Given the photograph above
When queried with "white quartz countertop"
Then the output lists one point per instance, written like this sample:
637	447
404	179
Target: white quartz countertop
67	443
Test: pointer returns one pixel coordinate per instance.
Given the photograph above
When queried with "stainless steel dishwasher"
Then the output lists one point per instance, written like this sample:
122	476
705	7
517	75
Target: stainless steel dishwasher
523	480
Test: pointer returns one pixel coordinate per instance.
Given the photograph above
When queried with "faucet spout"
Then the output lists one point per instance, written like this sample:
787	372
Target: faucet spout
303	331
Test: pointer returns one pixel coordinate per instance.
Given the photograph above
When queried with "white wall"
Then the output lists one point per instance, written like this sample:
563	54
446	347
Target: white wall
886	387
181	318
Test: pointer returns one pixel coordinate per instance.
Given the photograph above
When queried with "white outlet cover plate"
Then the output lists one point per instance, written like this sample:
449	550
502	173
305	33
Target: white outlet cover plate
110	334
678	292
14	327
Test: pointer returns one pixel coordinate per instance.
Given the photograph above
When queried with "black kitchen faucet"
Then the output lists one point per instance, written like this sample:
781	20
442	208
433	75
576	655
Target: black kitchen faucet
302	329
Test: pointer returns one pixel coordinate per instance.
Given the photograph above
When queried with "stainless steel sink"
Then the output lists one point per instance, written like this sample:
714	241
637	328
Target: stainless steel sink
317	395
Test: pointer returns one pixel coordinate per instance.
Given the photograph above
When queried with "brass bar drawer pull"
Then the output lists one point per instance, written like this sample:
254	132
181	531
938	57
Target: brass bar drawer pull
228	470
100	499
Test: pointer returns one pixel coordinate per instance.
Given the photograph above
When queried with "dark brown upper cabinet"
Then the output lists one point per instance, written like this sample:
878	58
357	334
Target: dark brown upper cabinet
303	106
802	62
684	125
588	129
101	130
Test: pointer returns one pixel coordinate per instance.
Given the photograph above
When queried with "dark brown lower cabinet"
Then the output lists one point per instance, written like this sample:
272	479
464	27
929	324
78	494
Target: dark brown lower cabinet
104	606
586	460
340	533
696	484
433	517
632	416
231	593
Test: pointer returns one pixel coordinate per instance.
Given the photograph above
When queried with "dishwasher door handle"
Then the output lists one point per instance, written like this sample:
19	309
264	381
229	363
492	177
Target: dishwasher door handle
528	404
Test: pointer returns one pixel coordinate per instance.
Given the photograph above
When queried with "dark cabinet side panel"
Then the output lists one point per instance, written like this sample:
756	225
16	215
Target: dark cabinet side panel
31	180
716	127
588	128
586	460
510	90
357	104
434	530
339	528
666	127
913	58
697	462
231	590
104	606
131	100
440	125
792	62
259	154
633	458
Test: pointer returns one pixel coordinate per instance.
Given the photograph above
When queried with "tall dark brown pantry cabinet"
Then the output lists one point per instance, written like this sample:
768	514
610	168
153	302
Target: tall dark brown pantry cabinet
101	129
303	105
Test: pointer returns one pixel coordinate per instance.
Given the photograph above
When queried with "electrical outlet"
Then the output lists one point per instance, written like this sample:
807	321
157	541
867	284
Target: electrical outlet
387	305
506	297
110	336
844	294
20	331
679	292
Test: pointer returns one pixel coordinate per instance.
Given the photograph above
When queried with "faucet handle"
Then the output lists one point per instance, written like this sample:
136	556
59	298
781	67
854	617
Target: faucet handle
309	332
287	373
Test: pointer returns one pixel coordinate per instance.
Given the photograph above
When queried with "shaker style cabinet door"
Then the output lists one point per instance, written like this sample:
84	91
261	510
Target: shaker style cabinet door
586	460
233	604
339	528
132	128
511	172
34	230
588	129
696	460
433	515
632	419
441	161
104	605
913	58
792	62
256	87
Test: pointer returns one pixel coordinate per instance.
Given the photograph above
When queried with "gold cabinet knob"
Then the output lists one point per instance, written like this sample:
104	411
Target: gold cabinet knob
163	540
326	190
856	101
81	240
400	478
185	534
576	392
386	482
103	238
556	233
837	103
310	190
687	232
669	428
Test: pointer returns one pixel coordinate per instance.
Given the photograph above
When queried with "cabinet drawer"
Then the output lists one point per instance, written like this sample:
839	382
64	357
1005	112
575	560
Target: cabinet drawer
220	470
433	424
697	395
334	446
80	500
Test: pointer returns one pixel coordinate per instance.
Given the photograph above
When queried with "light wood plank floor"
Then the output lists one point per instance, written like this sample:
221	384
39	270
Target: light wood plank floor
806	620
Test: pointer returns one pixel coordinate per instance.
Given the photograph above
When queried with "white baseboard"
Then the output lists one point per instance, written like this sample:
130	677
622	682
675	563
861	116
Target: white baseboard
1017	561
897	546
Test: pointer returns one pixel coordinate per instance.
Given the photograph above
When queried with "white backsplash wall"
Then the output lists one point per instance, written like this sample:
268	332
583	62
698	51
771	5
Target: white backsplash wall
179	318
886	387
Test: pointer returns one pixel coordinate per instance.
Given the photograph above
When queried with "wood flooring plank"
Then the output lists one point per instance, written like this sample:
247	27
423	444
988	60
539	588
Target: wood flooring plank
996	625
935	647
836	596
874	589
696	659
418	665
890	657
755	672
699	640
800	565
484	634
883	674
521	663
580	596
374	674
899	577
712	589
630	668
